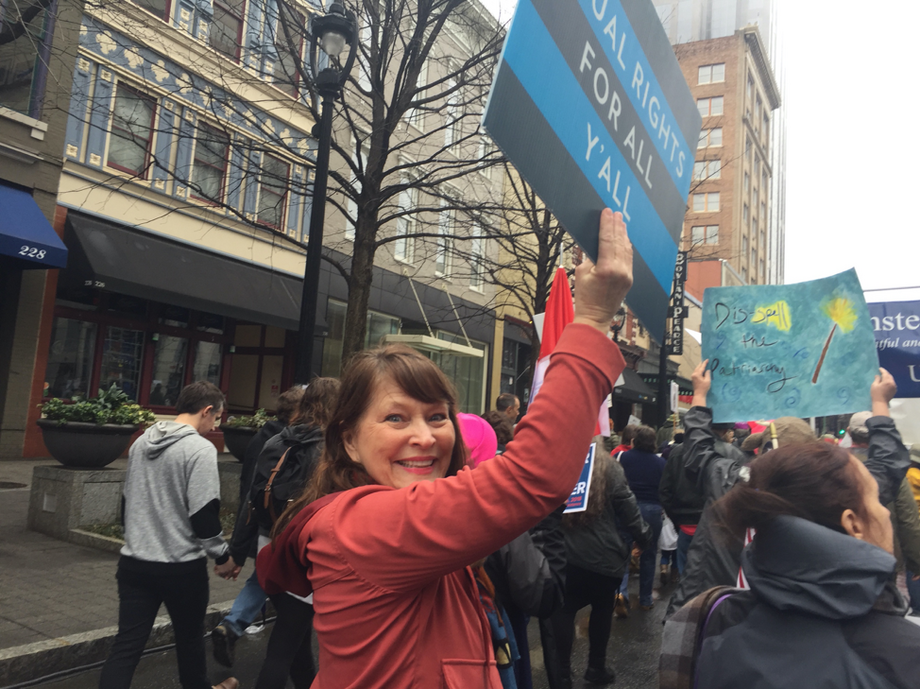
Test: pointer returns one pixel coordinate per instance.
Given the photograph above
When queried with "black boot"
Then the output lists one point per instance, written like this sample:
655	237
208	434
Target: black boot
600	675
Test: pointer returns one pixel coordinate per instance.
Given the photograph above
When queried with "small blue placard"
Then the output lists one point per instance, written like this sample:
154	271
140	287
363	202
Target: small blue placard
897	337
789	350
578	500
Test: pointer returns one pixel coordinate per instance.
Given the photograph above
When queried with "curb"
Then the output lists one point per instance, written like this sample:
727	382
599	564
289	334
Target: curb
42	658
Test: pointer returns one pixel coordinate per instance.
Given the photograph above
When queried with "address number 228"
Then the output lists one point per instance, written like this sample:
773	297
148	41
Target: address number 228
32	252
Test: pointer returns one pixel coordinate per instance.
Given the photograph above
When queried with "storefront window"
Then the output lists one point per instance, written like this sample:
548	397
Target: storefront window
121	359
378	326
466	372
70	359
207	362
169	357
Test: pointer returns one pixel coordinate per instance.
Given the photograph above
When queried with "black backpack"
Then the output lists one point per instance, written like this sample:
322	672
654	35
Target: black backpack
278	481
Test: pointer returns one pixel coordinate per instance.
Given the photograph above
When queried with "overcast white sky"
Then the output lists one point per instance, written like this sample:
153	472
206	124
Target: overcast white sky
852	181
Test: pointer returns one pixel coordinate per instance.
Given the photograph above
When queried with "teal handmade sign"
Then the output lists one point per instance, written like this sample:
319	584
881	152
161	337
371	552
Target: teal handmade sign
789	350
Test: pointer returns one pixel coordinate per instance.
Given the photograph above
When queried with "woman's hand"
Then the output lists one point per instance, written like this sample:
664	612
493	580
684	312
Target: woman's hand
882	391
702	381
600	288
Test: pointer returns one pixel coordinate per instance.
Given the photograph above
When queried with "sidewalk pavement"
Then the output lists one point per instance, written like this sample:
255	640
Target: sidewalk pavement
58	600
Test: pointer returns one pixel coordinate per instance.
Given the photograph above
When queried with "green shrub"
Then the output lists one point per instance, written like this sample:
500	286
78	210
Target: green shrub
109	406
257	420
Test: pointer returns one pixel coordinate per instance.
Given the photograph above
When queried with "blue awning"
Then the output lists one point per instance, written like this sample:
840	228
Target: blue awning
26	234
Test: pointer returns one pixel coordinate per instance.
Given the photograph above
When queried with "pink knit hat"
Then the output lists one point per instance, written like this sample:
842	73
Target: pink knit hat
479	437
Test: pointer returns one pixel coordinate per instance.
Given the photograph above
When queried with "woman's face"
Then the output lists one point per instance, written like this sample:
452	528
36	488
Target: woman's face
875	528
400	440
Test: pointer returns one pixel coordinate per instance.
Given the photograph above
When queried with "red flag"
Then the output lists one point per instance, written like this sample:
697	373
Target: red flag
560	311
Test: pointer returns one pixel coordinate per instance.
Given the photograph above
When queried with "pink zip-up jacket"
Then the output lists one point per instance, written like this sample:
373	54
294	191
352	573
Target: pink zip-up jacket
396	603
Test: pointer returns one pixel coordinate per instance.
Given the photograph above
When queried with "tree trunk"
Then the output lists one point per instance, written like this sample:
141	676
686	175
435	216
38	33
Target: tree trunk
359	291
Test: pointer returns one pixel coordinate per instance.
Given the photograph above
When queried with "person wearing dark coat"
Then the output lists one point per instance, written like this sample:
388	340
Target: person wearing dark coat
243	543
714	559
643	469
822	610
597	557
683	500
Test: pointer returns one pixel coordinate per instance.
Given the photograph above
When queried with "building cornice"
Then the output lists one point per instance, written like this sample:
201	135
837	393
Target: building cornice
762	62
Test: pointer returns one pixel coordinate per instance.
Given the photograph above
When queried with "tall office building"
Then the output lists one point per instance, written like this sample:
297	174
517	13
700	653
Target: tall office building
693	21
729	210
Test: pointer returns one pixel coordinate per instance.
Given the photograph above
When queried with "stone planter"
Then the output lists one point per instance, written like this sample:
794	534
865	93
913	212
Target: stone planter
85	445
236	439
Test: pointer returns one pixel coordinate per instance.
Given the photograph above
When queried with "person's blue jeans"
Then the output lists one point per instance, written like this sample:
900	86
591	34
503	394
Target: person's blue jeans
683	545
651	513
913	588
248	603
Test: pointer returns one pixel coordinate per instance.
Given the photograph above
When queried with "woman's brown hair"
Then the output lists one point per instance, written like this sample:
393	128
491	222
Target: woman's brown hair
644	440
317	402
597	495
814	481
501	424
418	377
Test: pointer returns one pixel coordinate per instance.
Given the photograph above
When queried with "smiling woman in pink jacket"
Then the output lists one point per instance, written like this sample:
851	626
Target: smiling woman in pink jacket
384	536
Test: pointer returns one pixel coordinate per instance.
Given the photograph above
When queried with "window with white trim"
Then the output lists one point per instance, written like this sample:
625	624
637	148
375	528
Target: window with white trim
477	259
288	39
226	32
704	234
404	247
360	162
445	243
710	106
273	189
711	74
705	170
132	131
706	203
710	137
209	167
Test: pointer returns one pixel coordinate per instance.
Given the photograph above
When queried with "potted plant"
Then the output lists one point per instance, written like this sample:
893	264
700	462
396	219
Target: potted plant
92	433
239	430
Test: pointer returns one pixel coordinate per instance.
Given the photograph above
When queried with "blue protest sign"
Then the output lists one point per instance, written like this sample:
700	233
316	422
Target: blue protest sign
578	500
897	337
591	106
789	350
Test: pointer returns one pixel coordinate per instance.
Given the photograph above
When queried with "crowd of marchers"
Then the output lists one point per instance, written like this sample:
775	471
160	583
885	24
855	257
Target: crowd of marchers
417	542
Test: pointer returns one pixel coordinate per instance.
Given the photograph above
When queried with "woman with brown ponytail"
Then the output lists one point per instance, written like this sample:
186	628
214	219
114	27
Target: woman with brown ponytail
822	609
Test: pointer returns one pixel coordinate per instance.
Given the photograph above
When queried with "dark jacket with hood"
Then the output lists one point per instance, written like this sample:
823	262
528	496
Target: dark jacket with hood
682	499
821	612
597	545
305	442
714	557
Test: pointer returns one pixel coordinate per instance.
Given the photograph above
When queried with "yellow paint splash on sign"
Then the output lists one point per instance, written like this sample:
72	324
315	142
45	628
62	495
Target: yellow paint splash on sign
776	315
840	311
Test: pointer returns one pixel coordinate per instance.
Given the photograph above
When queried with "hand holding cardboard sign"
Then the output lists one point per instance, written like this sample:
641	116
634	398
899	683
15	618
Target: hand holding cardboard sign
600	288
702	381
882	391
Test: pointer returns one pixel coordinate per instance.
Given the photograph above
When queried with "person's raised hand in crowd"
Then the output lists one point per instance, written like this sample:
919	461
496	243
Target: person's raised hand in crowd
228	570
882	391
600	288
702	381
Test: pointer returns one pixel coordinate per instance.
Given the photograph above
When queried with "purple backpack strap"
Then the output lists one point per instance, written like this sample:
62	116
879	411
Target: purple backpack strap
702	635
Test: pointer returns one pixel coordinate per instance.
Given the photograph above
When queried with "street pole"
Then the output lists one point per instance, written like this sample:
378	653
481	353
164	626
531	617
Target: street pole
306	336
664	392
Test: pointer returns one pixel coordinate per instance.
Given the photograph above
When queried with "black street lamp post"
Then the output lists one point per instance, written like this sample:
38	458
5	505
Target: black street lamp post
331	33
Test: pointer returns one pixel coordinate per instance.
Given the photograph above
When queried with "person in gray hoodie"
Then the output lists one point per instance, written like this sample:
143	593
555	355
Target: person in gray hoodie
170	511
